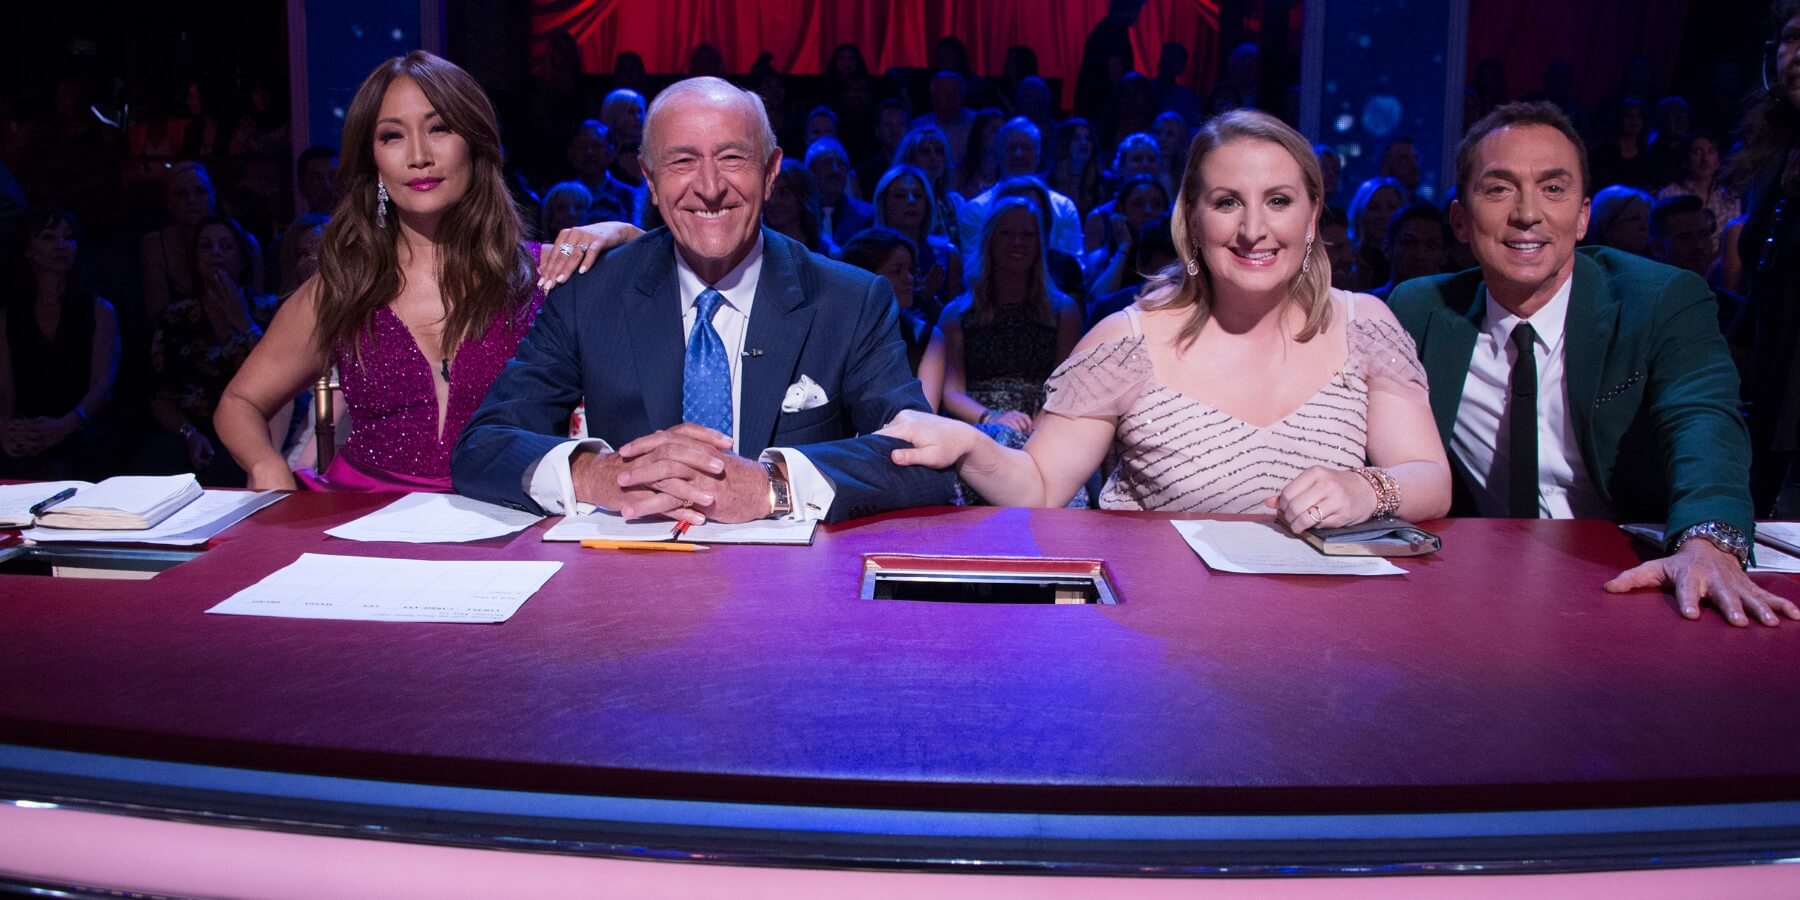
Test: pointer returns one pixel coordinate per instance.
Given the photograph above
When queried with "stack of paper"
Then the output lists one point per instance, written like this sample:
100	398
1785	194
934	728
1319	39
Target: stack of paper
16	500
124	502
600	525
1264	547
196	523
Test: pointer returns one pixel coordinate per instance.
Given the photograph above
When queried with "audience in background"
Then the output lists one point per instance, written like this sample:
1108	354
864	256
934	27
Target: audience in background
165	267
1620	219
841	214
904	204
894	256
793	207
1375	203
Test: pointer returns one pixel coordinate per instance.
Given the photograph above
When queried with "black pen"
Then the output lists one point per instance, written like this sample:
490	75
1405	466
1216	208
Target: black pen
44	505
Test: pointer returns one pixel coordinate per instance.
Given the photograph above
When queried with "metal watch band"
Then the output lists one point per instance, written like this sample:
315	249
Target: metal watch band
780	501
1722	535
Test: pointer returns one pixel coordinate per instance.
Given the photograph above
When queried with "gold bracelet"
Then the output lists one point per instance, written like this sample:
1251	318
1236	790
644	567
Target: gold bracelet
1387	491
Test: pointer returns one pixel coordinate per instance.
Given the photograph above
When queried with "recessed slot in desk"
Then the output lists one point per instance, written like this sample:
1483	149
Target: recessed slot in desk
974	579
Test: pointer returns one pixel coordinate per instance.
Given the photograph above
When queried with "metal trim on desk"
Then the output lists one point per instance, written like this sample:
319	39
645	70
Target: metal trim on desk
833	837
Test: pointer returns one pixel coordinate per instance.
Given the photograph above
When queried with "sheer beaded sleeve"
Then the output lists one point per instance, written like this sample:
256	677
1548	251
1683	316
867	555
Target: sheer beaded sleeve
1382	351
1104	380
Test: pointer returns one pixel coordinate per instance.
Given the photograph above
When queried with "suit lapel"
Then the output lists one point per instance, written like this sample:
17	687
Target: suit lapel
1593	316
1447	349
653	320
780	321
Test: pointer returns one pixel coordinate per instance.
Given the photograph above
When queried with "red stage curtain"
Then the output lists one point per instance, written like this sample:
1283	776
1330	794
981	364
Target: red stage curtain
1598	36
802	33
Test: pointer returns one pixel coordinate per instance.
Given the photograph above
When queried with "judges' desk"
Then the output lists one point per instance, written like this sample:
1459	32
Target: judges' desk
1491	711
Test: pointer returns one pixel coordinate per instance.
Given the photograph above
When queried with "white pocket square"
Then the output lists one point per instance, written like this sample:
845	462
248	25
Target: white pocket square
803	394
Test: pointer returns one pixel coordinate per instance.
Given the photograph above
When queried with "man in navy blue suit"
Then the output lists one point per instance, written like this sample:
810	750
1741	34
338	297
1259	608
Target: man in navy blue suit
728	373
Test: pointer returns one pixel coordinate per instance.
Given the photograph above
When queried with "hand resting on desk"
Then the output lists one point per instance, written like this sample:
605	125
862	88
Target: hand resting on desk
687	473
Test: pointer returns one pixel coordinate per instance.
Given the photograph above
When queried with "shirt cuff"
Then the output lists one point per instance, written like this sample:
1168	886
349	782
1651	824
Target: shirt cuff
551	485
809	490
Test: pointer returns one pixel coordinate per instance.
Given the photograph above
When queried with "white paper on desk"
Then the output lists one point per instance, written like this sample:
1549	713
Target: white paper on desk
16	500
609	526
1264	547
1769	556
376	589
195	523
435	519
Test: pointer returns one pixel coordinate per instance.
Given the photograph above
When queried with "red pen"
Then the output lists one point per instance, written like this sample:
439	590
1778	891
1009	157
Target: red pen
681	528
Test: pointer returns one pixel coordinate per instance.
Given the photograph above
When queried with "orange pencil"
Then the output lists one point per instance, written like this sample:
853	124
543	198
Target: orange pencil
642	545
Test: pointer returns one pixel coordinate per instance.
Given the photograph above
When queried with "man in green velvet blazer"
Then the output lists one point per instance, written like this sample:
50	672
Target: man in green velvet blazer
1630	392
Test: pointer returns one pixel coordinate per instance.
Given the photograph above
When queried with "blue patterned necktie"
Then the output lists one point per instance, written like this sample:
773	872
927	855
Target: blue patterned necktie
706	374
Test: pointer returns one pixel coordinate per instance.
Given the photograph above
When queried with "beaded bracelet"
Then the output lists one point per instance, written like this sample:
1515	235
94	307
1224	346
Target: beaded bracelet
1387	491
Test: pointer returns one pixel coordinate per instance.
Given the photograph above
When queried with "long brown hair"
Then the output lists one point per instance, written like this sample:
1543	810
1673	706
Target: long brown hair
483	271
984	291
1311	288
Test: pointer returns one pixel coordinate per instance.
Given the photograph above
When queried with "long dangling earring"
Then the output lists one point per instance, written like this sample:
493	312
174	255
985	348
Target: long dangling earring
1306	259
381	202
1193	263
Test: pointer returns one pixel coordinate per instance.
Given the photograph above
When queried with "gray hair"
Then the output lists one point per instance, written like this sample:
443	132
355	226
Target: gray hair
718	90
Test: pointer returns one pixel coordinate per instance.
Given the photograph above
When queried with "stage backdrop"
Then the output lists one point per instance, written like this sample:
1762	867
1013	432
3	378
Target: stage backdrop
802	33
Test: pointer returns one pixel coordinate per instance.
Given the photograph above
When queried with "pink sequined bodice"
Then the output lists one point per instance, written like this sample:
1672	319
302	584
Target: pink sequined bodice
392	399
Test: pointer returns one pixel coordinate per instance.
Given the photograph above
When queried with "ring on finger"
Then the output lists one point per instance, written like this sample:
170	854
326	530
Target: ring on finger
1314	511
582	247
566	249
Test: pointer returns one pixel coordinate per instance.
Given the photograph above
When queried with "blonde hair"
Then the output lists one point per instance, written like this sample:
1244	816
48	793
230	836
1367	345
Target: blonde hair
1311	287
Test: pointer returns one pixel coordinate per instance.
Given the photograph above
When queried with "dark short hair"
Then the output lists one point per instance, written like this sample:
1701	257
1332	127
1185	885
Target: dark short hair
1670	207
1512	115
311	155
870	248
1411	212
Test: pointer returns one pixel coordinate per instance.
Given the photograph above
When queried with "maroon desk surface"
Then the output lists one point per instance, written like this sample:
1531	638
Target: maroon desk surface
1495	675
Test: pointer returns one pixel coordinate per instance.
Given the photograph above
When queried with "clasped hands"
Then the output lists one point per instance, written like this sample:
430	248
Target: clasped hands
687	473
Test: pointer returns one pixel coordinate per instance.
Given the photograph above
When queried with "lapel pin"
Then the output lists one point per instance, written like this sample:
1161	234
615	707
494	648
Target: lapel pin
752	354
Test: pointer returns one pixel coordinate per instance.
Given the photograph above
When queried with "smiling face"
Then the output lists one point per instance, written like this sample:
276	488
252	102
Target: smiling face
1523	213
426	167
708	177
903	206
1251	216
1013	247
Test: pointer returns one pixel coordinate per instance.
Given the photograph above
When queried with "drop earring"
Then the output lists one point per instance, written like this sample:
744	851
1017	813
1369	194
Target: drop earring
381	202
1193	263
1306	258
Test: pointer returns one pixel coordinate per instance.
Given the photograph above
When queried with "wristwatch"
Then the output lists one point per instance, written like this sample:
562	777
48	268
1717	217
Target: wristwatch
780	500
1722	535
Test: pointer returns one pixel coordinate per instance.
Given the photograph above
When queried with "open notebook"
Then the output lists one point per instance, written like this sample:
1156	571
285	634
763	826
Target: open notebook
606	526
123	502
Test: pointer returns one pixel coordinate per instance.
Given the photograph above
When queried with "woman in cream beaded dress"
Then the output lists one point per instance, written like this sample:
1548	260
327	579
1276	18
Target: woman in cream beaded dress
1241	382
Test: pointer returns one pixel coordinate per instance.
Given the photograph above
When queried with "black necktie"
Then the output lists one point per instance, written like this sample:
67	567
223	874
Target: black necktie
1522	433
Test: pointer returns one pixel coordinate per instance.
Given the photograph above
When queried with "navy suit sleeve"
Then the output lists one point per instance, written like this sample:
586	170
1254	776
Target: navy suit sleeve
526	412
877	385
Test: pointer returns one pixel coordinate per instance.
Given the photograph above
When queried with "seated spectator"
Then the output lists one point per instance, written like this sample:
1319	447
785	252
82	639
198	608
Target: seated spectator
315	174
1005	336
1331	168
1623	155
1138	154
58	360
566	205
1210	384
593	156
1151	254
903	203
1141	199
1334	236
1074	167
979	166
164	254
890	254
890	130
1417	239
1059	220
1018	145
1032	101
926	149
821	122
1681	234
1133	107
1374	205
841	214
623	115
299	254
201	340
1620	219
1400	161
949	114
1700	177
1171	133
793	208
1669	141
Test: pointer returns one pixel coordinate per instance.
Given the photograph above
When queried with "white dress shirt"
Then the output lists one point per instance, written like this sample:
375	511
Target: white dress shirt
549	481
1564	489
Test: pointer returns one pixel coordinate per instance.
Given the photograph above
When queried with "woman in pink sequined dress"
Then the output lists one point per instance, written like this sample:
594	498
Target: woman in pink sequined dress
1240	382
425	287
